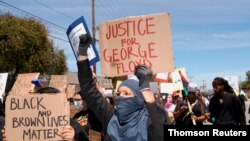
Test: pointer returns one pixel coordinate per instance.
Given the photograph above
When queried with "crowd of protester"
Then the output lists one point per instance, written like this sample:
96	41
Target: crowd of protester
136	113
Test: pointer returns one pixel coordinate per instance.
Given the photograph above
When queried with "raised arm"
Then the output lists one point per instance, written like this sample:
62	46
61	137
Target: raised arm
94	99
157	115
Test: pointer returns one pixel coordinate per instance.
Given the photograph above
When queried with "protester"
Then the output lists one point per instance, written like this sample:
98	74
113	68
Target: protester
225	107
202	99
170	107
81	106
72	132
85	117
242	97
183	115
131	118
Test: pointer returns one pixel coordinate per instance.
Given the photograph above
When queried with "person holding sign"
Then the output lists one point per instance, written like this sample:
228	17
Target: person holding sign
72	132
135	104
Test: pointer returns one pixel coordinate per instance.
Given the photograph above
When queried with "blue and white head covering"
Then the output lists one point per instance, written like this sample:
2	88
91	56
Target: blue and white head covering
129	123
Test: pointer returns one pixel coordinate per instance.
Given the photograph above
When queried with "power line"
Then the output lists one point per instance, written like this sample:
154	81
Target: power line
12	11
58	38
117	8
33	15
59	12
88	3
105	9
111	8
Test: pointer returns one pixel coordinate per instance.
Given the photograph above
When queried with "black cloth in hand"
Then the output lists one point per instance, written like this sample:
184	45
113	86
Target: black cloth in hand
144	74
85	41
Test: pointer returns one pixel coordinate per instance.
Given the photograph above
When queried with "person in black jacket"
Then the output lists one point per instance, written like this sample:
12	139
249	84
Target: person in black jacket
225	107
136	115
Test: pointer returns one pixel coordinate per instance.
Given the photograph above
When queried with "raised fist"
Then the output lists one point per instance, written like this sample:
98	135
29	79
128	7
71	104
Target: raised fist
144	74
85	41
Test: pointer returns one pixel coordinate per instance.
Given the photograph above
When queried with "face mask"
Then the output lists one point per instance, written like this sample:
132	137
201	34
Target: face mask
125	107
78	105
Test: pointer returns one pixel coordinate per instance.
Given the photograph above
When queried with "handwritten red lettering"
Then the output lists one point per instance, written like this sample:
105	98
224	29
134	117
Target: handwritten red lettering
149	25
130	66
106	57
150	50
115	55
143	26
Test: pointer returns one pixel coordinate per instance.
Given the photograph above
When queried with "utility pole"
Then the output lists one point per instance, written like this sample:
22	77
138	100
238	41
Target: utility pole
93	28
190	78
203	85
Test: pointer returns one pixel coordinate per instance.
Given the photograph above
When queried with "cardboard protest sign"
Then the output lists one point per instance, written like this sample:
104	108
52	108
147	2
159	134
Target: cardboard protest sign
3	80
59	81
105	82
167	88
128	42
36	117
70	90
23	83
162	77
76	29
183	71
176	78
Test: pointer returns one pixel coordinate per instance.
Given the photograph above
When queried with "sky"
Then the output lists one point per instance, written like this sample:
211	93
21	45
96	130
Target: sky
209	38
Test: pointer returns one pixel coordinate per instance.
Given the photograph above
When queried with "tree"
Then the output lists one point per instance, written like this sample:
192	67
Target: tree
248	75
25	47
245	85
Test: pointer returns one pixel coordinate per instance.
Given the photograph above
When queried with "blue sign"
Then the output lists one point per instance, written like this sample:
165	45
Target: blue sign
76	29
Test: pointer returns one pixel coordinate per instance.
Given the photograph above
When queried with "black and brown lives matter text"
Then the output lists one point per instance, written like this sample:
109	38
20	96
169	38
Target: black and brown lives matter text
40	126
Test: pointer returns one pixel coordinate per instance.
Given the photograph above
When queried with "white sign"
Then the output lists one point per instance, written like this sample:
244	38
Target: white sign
167	88
76	29
3	80
176	79
162	77
233	81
